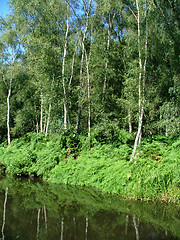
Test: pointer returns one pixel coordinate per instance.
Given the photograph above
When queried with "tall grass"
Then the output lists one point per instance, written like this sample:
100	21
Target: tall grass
153	175
145	178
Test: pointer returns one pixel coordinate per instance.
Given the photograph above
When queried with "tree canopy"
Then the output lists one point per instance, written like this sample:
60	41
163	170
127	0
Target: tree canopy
90	67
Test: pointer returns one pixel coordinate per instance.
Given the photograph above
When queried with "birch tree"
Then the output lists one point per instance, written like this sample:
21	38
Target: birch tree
87	8
110	22
142	69
11	53
63	69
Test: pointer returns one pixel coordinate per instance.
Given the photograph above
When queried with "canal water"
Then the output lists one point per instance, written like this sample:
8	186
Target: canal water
31	209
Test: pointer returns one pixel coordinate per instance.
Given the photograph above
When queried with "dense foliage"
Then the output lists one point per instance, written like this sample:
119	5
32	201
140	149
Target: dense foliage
75	65
153	175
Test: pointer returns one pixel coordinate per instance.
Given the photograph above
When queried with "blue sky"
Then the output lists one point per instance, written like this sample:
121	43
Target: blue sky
4	7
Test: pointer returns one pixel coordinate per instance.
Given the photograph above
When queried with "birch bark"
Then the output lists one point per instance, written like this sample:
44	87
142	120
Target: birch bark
41	116
48	120
107	50
8	113
8	99
88	93
82	61
142	70
63	70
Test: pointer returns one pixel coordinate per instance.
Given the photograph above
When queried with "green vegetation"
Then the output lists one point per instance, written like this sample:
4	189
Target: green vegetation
153	175
90	94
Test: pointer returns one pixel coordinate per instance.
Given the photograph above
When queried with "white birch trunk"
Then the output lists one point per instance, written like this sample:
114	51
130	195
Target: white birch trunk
129	121
72	68
41	116
8	113
88	95
107	50
48	120
79	107
81	67
45	122
142	69
63	70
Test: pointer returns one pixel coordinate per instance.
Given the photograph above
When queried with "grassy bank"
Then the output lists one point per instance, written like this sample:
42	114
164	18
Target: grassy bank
153	175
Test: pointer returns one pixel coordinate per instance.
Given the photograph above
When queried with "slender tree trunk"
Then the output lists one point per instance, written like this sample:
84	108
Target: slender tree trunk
45	122
107	50
8	113
37	127
48	120
36	117
129	121
77	121
88	93
4	213
106	63
142	69
41	116
63	70
137	135
72	68
81	67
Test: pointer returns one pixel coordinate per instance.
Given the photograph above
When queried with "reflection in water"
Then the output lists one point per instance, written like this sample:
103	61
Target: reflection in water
136	227
86	231
4	213
38	217
126	226
45	216
62	228
34	210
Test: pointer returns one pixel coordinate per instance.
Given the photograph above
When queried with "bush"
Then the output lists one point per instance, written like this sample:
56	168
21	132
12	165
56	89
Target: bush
110	133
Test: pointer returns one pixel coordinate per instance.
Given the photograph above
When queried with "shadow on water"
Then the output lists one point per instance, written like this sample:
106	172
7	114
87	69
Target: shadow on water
30	209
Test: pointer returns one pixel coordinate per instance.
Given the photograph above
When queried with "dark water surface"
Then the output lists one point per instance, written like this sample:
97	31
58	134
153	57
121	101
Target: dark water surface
32	210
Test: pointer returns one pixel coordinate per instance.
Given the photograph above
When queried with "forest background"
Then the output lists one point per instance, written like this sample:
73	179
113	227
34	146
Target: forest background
91	74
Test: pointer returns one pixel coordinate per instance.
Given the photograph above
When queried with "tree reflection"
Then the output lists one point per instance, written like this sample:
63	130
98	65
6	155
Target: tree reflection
62	228
126	225
45	217
86	231
38	218
136	225
4	213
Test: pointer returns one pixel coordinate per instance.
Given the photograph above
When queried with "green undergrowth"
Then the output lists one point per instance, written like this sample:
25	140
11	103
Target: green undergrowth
144	178
153	175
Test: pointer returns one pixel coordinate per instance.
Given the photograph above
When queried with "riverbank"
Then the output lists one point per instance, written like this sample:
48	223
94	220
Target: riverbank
153	175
